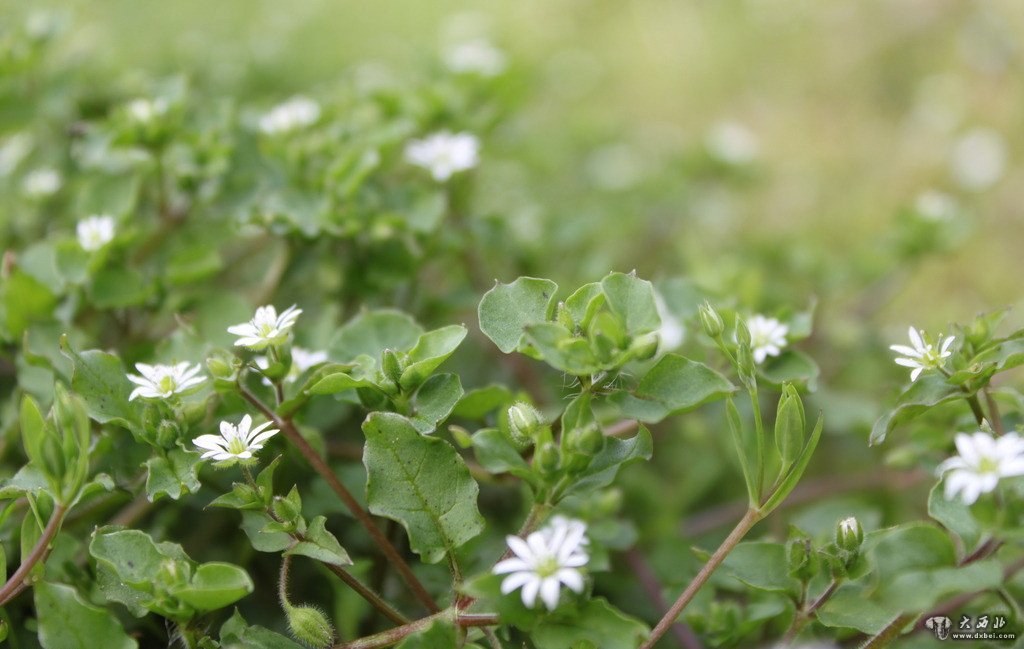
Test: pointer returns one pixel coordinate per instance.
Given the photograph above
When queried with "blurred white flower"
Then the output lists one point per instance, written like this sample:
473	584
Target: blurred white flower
235	442
936	206
733	143
95	231
41	183
267	328
164	381
144	110
296	113
444	153
671	333
767	337
616	167
978	159
923	355
544	561
302	360
981	462
475	57
13	151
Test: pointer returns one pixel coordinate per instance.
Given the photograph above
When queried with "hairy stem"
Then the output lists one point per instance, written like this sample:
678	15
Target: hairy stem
396	635
14	585
805	616
742	527
360	514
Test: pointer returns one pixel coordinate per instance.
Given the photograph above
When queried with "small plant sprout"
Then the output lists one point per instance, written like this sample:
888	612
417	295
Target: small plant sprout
544	561
164	381
767	337
981	462
444	154
292	115
923	355
267	328
94	232
235	443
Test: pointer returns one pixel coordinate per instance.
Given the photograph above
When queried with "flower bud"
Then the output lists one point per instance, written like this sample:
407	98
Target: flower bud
524	419
742	333
789	425
391	365
645	346
547	458
309	626
711	321
745	365
801	564
220	368
849	535
587	441
167	433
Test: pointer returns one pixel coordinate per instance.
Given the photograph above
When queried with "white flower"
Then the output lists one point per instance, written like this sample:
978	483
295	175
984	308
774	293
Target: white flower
475	57
981	462
163	381
296	113
444	154
733	143
923	355
302	360
95	232
935	206
266	328
235	442
978	159
41	183
144	110
767	337
545	560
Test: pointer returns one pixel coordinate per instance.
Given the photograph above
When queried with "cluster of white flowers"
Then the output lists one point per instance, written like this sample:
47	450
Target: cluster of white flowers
302	360
981	462
545	560
235	442
923	355
164	381
267	328
475	57
444	154
733	143
767	337
41	183
296	113
94	232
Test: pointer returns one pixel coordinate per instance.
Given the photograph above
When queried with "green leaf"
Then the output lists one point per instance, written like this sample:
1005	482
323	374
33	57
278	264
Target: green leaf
215	585
908	547
131	554
674	385
33	432
796	471
173	474
632	300
746	451
792	366
851	608
762	565
117	288
441	633
432	349
616	454
928	391
371	332
478	403
422	483
339	382
955	516
100	379
507	309
597	622
584	303
496	453
435	400
321	545
920	590
66	621
562	350
23	300
237	634
253	524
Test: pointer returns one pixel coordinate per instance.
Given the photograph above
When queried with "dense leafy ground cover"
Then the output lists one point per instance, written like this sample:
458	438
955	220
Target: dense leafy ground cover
534	339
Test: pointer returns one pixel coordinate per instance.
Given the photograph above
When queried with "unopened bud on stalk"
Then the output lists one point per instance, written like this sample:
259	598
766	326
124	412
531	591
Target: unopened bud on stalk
849	535
547	458
523	421
711	321
742	332
391	365
310	626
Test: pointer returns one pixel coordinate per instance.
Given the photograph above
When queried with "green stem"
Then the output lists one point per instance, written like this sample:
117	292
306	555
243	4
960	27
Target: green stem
735	536
759	431
396	635
14	584
805	616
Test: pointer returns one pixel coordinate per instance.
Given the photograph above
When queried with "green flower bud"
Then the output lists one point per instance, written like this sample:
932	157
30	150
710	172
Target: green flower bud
310	626
745	365
849	535
711	321
289	508
547	458
167	433
587	441
789	425
523	421
742	333
391	365
645	346
220	368
801	564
